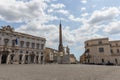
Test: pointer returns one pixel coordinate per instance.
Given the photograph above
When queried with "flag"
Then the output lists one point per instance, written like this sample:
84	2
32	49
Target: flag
16	42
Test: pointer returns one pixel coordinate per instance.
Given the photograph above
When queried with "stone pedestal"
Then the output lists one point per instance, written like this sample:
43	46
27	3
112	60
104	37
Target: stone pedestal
66	59
63	59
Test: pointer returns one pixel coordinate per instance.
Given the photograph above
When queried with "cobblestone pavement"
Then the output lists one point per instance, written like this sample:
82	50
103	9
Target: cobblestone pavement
59	72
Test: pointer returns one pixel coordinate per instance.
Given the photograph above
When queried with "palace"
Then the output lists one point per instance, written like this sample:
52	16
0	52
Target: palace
20	48
101	51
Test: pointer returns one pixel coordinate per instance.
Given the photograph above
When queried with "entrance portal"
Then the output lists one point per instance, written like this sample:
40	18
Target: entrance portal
4	57
32	58
26	59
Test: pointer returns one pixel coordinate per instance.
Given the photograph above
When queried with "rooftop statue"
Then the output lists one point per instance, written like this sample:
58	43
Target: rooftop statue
7	28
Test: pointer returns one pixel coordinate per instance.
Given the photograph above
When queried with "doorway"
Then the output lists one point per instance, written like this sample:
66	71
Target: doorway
4	57
32	58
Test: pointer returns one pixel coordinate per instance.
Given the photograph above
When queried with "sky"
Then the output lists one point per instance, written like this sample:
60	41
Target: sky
81	20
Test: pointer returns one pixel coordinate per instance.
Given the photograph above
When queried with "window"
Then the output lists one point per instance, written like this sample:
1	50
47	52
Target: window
41	53
21	51
101	49
87	51
118	51
21	44
87	44
42	46
13	42
116	44
27	44
116	61
37	52
13	51
100	42
26	51
38	45
6	41
102	60
110	45
111	51
33	45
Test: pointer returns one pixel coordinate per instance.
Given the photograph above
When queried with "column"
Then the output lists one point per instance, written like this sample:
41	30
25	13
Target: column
29	59
23	59
43	61
8	59
35	59
39	58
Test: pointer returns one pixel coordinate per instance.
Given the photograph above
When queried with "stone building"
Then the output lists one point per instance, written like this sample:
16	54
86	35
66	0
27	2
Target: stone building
73	59
82	58
101	51
50	55
20	48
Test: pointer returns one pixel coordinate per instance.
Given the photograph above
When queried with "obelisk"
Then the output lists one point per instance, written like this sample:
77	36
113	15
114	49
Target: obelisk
60	47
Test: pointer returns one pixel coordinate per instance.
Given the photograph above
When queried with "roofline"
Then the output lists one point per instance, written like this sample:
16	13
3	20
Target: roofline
97	39
27	35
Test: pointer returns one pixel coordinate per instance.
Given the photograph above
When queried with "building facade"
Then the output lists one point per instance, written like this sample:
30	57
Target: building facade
73	59
50	55
101	51
20	48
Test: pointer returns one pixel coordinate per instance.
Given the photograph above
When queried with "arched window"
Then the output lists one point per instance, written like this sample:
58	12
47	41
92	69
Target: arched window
102	60
33	45
116	61
21	44
13	43
38	45
100	42
6	41
118	51
27	52
42	46
27	44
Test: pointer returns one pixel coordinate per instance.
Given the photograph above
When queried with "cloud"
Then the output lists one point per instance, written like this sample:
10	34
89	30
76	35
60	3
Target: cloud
71	17
62	11
84	14
83	9
50	32
20	11
91	27
112	28
83	1
50	10
58	6
104	15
